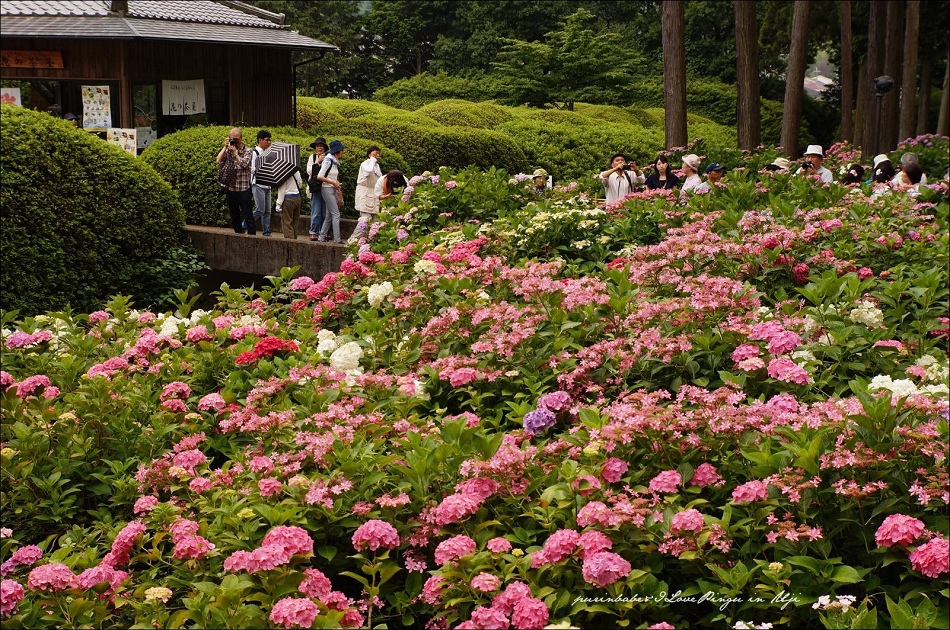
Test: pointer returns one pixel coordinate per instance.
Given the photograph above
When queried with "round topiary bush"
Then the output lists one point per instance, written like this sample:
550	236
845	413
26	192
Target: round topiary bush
466	114
310	114
429	148
82	220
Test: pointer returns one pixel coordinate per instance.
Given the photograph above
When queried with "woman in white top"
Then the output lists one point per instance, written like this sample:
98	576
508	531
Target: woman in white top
691	169
330	176
619	180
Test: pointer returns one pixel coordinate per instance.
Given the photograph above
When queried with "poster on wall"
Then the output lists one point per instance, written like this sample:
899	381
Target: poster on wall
145	136
183	98
96	108
10	96
123	138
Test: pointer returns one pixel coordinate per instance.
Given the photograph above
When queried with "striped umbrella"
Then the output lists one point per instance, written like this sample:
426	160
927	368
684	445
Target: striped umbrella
278	163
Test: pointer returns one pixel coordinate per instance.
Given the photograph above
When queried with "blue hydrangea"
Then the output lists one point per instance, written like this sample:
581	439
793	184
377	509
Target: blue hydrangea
538	421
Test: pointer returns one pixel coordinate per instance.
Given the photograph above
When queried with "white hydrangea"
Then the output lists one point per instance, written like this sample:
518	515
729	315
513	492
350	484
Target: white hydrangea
803	356
810	327
195	317
936	373
249	320
580	244
868	314
425	266
326	341
347	357
899	389
170	326
378	293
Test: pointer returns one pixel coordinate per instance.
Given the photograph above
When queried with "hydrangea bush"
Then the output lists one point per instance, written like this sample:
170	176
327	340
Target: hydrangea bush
507	411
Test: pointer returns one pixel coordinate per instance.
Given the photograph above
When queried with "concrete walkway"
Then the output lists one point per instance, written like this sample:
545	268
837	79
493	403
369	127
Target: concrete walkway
224	250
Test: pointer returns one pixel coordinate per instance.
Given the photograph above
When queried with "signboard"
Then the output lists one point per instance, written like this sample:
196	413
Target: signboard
10	96
183	98
49	59
123	138
96	107
145	136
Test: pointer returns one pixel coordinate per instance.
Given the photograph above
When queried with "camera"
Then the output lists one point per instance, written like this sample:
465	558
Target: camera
807	165
232	142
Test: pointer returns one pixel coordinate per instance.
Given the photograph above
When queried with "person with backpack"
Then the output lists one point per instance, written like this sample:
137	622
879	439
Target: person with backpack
620	179
314	186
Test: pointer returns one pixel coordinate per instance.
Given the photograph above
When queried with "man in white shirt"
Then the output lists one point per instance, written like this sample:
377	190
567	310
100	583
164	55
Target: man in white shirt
261	193
814	158
620	179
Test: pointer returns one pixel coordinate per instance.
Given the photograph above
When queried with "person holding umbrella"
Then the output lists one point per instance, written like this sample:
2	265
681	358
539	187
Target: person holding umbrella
332	192
317	214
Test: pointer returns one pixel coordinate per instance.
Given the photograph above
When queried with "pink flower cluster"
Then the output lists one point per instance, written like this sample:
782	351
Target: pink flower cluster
604	568
898	529
188	544
690	520
750	491
277	548
932	558
24	556
613	470
667	481
123	544
51	577
11	592
374	534
20	339
706	475
559	545
454	548
291	612
515	606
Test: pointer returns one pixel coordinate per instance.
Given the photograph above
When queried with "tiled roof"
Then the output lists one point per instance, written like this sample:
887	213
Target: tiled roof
178	20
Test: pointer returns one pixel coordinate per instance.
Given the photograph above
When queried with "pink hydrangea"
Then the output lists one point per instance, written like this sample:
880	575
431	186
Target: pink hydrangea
211	401
661	626
101	574
706	475
667	481
192	547
513	593
315	584
898	529
293	612
745	351
484	617
787	371
498	545
351	619
529	613
268	487
11	592
932	558
784	342
593	542
197	333
687	521
24	556
555	401
144	504
604	568
123	543
189	460
432	590
453	549
557	547
613	470
199	485
750	491
454	508
98	316
51	577
294	540
486	582
374	534
596	513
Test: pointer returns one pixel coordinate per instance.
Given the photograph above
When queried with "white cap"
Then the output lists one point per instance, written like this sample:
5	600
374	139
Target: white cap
814	149
881	157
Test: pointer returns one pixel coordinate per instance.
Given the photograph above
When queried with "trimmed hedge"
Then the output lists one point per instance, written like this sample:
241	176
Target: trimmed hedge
82	221
466	114
194	178
422	89
428	148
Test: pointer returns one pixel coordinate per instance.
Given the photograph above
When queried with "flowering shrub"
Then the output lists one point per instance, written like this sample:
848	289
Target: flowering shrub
460	429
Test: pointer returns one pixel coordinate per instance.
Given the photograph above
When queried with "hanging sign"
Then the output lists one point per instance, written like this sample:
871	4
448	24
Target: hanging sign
10	96
50	59
123	138
183	98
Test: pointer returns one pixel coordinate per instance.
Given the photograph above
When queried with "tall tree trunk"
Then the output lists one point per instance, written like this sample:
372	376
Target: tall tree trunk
944	120
909	82
875	65
674	72
923	105
846	73
860	107
894	48
795	79
748	116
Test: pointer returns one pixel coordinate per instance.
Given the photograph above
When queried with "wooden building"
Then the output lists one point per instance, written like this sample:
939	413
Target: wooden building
152	65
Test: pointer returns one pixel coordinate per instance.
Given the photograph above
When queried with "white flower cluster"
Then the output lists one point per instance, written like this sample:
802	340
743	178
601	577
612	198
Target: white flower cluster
842	603
904	387
575	211
425	266
936	373
748	625
347	357
868	314
378	293
326	341
170	323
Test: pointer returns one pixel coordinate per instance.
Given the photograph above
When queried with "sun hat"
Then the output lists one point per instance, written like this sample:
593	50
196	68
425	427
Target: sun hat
692	161
335	147
540	172
881	157
71	116
782	163
713	167
814	149
323	141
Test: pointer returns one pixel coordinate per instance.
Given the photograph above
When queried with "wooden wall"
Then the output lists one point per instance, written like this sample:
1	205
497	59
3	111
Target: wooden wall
258	78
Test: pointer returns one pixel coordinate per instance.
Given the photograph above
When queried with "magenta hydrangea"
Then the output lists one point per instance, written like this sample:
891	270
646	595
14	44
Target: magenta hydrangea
932	558
529	613
604	568
454	548
750	491
51	577
667	481
898	529
374	534
690	520
614	468
294	612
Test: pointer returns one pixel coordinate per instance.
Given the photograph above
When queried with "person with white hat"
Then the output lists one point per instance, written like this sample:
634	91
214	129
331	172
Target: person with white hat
814	158
691	169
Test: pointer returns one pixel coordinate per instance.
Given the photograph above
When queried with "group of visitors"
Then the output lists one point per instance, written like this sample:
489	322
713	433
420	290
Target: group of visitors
625	177
249	201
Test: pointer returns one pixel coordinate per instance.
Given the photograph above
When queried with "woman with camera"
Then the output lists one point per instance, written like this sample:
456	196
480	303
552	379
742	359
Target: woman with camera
620	179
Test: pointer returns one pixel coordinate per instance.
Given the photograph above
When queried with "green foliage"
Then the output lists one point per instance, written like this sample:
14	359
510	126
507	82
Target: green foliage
466	114
422	89
83	220
576	63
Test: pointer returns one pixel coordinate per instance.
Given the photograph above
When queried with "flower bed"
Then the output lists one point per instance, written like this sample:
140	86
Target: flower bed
507	411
